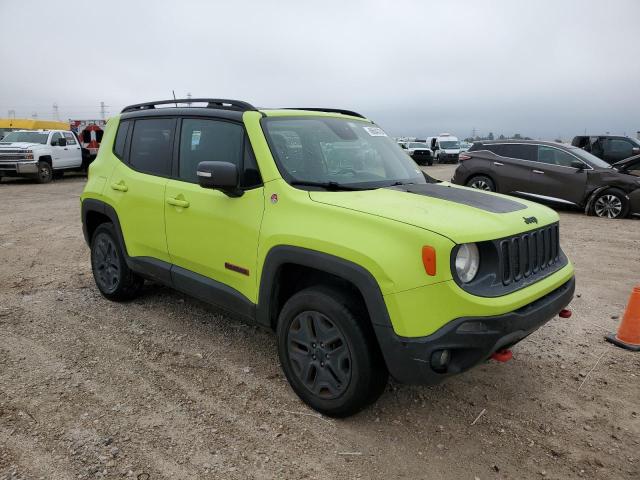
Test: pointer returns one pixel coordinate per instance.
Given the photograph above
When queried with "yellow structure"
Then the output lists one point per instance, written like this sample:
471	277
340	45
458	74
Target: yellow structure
9	124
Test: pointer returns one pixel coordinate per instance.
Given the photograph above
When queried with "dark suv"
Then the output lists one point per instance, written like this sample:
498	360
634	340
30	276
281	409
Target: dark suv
610	148
553	172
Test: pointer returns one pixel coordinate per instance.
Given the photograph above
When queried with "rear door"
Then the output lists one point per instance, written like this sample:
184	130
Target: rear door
552	176
137	185
74	152
513	165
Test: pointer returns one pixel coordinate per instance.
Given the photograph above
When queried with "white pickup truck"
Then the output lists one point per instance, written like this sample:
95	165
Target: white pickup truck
39	154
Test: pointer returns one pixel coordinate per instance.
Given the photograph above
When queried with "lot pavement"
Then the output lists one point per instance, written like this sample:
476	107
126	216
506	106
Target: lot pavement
165	386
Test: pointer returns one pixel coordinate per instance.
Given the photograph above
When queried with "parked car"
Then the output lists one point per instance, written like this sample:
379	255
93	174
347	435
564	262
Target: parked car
553	172
610	148
363	265
39	154
464	146
445	148
420	152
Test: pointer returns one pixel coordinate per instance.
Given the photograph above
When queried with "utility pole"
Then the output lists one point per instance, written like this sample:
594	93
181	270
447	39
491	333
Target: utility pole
189	98
56	113
102	110
34	115
12	114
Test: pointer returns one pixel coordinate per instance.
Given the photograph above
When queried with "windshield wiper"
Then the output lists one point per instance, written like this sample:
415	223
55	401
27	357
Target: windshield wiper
331	186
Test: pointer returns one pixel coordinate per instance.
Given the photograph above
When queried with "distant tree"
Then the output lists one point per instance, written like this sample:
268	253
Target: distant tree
501	137
517	136
490	136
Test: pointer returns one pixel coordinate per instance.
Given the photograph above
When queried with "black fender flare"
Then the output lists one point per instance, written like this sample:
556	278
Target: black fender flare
93	205
361	278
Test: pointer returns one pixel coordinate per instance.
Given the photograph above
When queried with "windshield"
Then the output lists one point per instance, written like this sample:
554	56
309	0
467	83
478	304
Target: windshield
338	152
418	145
27	137
449	144
592	159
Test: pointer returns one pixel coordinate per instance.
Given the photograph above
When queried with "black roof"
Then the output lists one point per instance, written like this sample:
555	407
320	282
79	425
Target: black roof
526	142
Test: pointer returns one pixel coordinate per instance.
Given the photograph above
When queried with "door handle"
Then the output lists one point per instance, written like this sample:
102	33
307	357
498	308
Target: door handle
498	164
177	202
121	187
539	172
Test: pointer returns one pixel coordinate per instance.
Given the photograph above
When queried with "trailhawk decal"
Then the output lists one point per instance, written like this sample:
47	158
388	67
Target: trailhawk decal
472	198
375	131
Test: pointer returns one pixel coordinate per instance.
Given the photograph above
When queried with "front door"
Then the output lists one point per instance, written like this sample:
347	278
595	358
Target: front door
74	152
58	152
553	176
208	232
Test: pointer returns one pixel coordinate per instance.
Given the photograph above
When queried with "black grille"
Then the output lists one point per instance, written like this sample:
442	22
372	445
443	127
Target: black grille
528	254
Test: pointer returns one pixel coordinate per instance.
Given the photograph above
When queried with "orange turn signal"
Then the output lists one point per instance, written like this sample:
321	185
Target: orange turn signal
429	260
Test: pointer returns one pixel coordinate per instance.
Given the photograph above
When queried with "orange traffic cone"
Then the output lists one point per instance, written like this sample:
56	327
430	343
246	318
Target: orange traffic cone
628	335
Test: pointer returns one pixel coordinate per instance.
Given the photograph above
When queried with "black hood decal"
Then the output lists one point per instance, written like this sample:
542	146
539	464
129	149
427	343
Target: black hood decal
472	198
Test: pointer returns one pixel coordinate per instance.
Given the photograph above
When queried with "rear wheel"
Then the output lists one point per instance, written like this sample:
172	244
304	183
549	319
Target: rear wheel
611	204
110	271
481	182
330	359
45	172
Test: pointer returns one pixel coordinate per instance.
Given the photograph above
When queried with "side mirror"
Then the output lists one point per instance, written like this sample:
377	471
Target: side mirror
577	164
221	176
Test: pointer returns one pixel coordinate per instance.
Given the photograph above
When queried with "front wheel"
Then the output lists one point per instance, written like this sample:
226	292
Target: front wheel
481	182
331	359
611	204
45	172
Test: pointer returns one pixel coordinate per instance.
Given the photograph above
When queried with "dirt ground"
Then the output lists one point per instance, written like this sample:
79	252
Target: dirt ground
165	387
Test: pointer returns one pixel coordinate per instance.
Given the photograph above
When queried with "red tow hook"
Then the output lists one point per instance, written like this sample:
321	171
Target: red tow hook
502	355
565	313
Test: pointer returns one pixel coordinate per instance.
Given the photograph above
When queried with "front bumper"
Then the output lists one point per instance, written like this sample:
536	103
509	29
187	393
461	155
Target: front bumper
19	168
470	340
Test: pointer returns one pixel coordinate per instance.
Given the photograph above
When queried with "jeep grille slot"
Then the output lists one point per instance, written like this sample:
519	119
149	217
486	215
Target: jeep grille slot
527	254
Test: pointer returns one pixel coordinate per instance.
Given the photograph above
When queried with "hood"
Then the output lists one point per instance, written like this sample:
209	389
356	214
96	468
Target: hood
459	213
451	150
20	145
622	164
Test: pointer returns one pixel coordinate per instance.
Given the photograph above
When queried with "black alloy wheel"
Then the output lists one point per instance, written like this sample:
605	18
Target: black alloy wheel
319	354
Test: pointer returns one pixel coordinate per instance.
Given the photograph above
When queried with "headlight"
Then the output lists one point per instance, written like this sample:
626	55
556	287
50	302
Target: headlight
467	262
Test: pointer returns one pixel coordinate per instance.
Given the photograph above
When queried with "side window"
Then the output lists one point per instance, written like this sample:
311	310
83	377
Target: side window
620	148
151	145
71	139
497	149
121	139
55	137
208	141
554	156
520	151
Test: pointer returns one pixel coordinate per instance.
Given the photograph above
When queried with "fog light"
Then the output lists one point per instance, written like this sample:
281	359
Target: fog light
440	360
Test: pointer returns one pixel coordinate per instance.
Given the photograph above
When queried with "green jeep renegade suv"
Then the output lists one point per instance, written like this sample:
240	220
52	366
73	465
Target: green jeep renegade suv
314	223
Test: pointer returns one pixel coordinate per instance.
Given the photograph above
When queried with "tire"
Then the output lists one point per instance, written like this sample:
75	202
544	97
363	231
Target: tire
611	203
481	182
330	358
430	162
113	277
45	172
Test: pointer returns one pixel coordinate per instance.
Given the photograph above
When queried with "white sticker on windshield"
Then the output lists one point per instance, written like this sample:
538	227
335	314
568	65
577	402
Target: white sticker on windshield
375	131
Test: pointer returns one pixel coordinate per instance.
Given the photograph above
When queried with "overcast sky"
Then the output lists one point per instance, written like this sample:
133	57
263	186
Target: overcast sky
539	68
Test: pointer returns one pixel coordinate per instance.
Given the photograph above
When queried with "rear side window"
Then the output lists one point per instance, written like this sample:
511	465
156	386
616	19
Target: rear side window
151	146
208	141
518	151
71	140
121	139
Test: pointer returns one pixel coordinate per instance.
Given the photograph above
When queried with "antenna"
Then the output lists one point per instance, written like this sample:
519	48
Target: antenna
174	97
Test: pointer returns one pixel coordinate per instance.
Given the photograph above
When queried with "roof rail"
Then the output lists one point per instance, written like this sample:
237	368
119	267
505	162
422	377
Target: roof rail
220	103
329	110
